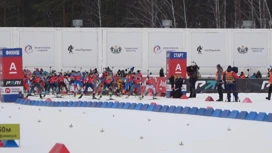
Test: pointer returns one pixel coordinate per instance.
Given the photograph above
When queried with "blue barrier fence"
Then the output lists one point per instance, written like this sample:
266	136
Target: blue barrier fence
234	114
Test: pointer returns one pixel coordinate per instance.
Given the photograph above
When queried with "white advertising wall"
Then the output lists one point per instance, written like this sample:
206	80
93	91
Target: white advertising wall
143	48
38	48
161	42
250	49
208	48
124	49
5	39
79	49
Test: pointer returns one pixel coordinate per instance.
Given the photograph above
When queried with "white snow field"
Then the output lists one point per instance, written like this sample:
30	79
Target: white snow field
98	130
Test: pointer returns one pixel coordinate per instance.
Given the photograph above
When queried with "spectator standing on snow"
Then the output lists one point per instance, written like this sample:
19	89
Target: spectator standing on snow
270	87
219	81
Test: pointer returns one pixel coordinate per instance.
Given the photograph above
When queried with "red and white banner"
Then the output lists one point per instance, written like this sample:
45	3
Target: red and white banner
159	84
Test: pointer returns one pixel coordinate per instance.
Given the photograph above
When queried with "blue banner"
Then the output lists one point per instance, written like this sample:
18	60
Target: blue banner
6	52
176	55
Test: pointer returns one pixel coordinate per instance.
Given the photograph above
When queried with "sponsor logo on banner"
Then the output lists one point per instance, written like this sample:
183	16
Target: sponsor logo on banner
157	49
128	49
242	50
200	49
71	49
178	69
206	84
7	90
11	90
257	49
265	84
12	68
29	49
170	48
8	83
116	49
12	52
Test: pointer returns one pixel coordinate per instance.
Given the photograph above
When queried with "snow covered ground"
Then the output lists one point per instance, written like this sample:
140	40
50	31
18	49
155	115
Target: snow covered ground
87	130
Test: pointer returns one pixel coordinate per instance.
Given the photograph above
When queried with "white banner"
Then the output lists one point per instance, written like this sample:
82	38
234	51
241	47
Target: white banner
79	46
208	48
38	48
250	49
124	49
159	43
5	39
11	90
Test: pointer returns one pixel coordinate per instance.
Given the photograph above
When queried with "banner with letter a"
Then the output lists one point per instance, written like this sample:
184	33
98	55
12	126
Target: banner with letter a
176	64
11	74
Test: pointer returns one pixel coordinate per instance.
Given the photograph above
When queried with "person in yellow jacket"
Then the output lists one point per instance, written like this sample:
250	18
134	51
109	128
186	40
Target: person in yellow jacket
270	87
219	81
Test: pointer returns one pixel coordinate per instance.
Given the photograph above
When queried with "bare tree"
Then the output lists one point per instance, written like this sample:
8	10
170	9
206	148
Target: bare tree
170	5
185	14
225	14
144	12
217	14
93	12
269	14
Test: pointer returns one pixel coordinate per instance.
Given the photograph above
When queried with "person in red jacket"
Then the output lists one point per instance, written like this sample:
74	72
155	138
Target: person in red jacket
270	87
136	80
230	77
36	83
61	83
52	83
107	85
90	83
149	85
26	82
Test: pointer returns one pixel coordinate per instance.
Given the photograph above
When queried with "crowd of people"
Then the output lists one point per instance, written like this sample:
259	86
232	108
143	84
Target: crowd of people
124	82
257	75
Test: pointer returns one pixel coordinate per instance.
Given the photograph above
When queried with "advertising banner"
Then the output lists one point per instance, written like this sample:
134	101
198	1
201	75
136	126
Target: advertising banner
11	90
209	85
5	39
8	83
250	49
159	84
11	74
38	48
176	64
12	63
124	49
79	49
208	48
159	43
243	85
